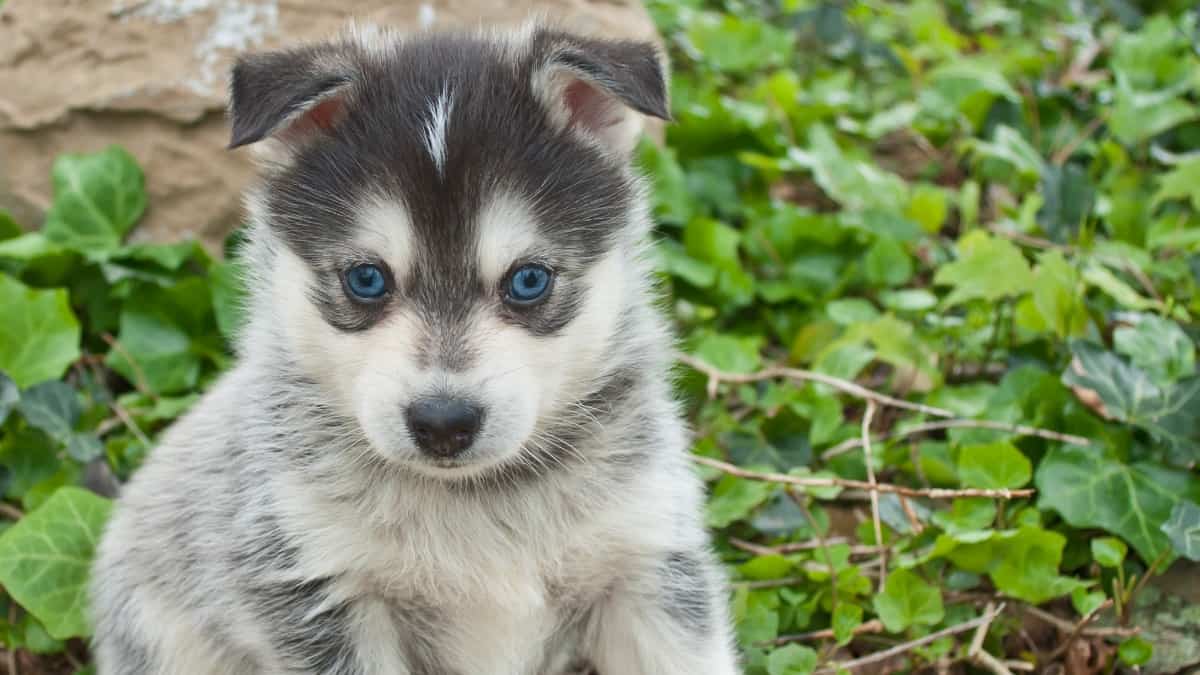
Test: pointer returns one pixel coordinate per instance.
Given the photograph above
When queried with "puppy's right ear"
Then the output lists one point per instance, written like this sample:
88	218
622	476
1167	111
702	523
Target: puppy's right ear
290	95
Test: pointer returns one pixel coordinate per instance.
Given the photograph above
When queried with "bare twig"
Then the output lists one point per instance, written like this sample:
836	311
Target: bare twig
818	482
139	377
872	626
11	512
1078	629
1145	282
1064	153
716	376
875	519
908	646
1028	240
14	667
751	547
770	583
926	427
130	424
801	502
976	653
1068	627
798	547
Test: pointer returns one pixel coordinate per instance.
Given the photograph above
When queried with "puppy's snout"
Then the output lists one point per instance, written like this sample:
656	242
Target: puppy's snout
442	426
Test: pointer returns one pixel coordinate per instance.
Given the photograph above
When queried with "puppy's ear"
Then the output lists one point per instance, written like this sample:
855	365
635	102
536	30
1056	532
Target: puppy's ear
596	87
290	95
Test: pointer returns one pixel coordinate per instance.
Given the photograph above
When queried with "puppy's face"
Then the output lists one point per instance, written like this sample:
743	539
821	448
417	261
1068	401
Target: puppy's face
455	218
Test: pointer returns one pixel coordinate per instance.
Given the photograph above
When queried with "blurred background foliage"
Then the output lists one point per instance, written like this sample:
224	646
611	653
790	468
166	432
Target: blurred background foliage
938	246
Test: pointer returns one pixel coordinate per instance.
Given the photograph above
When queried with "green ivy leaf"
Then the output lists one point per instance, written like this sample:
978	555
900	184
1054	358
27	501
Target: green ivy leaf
162	333
1057	295
9	395
228	296
98	198
988	268
1158	346
1135	651
734	498
1171	414
730	353
672	201
736	44
846	617
84	447
908	601
1084	602
856	184
39	335
968	520
52	407
1132	501
1108	551
994	466
1183	529
1069	198
29	457
45	558
1029	563
887	263
792	660
1182	182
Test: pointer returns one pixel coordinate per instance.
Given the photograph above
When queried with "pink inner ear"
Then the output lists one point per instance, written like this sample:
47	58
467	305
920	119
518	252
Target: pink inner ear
589	107
323	116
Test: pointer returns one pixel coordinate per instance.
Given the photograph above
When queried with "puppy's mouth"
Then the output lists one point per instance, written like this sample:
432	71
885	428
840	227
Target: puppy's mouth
458	468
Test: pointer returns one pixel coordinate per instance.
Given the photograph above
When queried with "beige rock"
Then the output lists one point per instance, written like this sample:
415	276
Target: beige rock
150	75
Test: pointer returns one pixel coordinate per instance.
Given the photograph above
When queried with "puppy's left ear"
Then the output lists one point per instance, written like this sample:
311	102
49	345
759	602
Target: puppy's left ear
600	88
290	96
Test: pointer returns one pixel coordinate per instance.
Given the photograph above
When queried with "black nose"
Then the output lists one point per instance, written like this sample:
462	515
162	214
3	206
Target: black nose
442	426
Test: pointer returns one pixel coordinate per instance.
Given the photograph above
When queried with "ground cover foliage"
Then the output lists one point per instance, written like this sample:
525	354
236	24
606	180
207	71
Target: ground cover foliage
935	267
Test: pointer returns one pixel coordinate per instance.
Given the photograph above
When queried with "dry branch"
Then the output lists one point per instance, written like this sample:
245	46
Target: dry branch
872	626
910	645
717	376
820	482
925	427
868	416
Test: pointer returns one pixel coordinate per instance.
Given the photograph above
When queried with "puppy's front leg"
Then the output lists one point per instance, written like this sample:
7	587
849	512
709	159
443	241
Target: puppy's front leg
668	618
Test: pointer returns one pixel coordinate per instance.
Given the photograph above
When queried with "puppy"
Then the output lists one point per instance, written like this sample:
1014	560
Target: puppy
449	445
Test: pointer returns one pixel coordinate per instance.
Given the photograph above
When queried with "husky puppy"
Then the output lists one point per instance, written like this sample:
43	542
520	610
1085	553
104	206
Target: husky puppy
449	445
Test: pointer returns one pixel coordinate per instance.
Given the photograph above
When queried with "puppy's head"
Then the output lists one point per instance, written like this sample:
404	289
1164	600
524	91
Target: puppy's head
453	224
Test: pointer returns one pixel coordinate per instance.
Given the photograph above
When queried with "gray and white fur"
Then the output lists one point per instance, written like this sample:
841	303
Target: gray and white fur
300	519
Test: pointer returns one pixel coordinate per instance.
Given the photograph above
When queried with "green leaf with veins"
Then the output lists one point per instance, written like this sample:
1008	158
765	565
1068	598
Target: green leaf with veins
9	395
39	334
907	601
994	466
98	198
1170	413
45	558
1091	489
988	268
53	407
1156	345
1183	529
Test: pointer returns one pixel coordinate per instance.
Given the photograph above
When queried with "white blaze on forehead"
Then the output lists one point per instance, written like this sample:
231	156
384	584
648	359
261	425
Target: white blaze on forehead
384	229
507	232
435	128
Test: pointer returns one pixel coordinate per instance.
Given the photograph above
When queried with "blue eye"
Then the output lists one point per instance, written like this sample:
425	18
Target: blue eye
528	284
366	282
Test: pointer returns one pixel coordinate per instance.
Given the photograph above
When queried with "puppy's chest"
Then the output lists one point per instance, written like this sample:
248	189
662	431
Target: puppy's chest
508	619
467	602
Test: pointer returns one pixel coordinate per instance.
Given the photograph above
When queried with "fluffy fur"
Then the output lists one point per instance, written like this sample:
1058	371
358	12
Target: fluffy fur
290	524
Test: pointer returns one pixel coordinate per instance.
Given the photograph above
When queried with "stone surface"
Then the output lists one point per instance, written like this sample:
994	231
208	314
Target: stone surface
79	75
